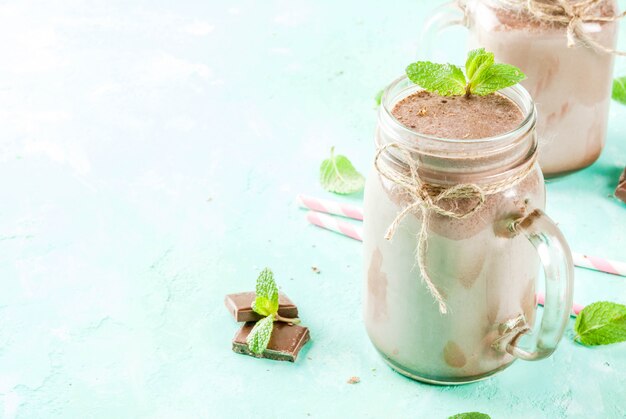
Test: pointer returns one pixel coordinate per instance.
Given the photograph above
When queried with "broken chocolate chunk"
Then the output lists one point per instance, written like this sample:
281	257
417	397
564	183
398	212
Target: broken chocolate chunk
240	306
284	345
620	191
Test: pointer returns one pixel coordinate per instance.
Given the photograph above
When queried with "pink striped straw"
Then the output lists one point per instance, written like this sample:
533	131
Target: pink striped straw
333	224
330	207
352	211
598	264
576	308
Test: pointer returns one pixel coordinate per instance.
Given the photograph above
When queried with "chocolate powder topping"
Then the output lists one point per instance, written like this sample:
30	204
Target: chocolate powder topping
458	117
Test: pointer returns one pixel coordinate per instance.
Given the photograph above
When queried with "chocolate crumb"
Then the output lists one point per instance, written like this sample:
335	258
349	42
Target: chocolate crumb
354	380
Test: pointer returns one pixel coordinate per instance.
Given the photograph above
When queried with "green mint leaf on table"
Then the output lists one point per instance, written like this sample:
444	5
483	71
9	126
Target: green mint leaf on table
338	175
470	415
483	75
379	97
601	323
443	79
619	90
266	301
260	335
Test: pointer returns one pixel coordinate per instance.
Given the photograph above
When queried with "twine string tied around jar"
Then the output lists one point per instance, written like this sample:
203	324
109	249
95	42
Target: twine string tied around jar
574	15
425	198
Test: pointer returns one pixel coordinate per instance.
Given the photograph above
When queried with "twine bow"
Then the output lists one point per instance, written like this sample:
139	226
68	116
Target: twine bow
574	15
426	197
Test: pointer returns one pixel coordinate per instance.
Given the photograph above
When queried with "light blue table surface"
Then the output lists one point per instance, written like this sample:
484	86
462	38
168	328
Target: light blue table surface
150	154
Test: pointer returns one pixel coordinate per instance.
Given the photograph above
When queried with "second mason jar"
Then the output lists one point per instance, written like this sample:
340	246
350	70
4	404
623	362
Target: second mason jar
566	50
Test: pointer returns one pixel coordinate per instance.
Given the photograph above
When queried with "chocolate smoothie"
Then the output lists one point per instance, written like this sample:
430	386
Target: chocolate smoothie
458	117
486	275
571	85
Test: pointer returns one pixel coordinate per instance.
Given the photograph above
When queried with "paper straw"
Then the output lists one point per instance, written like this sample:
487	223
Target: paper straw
352	211
576	308
598	264
336	225
330	207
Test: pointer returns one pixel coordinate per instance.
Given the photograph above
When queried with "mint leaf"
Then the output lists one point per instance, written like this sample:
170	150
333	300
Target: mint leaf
443	79
483	76
338	175
478	61
470	415
379	97
601	323
619	90
266	301
260	335
494	78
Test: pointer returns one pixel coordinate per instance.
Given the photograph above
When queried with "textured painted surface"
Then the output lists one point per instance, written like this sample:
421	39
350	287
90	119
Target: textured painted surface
150	155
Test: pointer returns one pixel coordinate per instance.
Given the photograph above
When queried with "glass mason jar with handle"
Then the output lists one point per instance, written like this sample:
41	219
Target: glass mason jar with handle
566	50
484	266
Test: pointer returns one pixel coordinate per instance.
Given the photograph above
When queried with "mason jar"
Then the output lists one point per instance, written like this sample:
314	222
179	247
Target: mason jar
569	66
484	266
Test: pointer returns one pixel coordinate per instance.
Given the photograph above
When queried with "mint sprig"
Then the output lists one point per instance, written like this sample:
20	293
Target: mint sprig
260	335
483	76
266	304
443	79
619	90
601	323
470	415
338	175
266	301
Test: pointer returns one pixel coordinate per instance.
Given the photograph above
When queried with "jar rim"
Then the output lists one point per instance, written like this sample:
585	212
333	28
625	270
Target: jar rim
529	121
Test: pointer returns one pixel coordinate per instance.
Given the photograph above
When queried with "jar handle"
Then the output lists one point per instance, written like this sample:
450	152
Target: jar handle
558	266
451	13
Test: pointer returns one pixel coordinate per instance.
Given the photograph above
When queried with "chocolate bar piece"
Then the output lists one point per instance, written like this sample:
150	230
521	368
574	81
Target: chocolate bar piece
620	191
240	306
284	345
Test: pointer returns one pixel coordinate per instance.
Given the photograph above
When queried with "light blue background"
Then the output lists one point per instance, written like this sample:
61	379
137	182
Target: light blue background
150	154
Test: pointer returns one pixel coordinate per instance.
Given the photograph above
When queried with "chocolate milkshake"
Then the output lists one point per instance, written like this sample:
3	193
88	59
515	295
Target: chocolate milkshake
570	85
485	274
